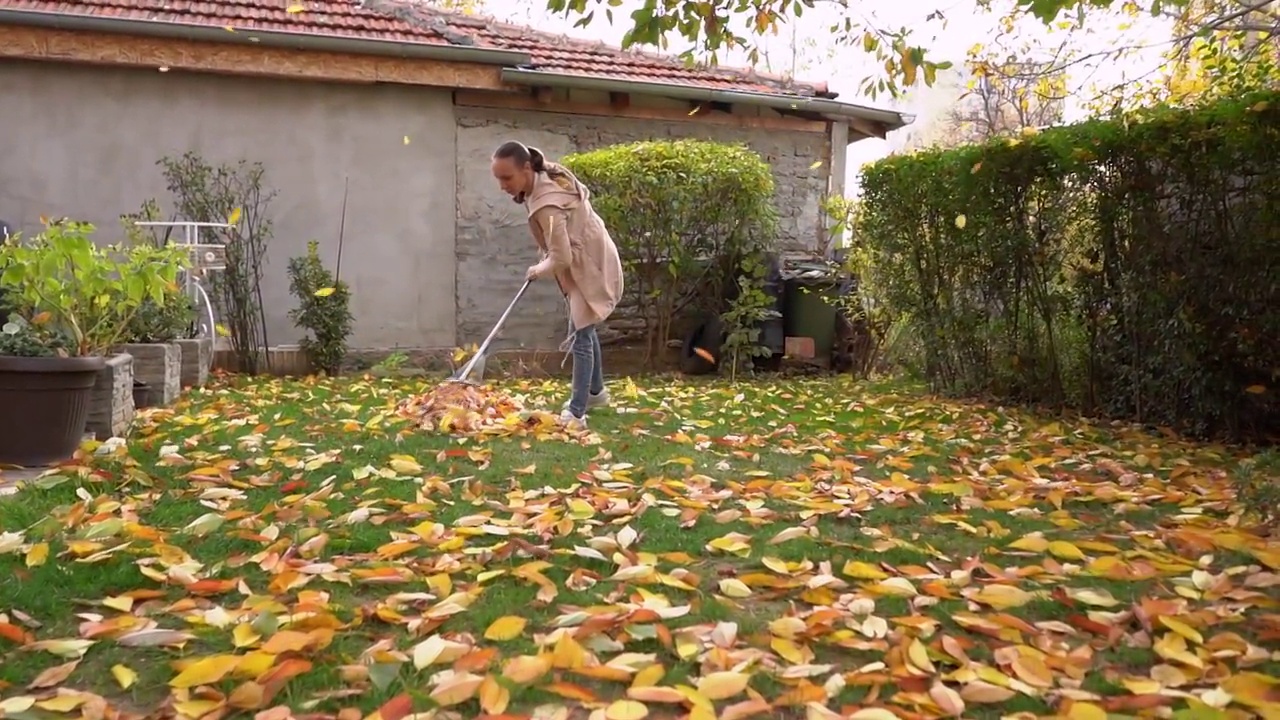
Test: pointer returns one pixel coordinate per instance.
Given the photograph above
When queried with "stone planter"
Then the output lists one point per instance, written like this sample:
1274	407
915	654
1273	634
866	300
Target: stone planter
111	405
197	358
159	365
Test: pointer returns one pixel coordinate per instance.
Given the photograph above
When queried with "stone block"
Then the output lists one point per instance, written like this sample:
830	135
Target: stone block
159	365
197	357
111	407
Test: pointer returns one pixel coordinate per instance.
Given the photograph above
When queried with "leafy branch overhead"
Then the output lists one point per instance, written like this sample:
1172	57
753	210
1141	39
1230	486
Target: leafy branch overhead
712	27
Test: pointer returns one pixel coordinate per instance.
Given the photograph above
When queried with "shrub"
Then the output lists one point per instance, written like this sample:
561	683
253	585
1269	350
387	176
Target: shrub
1124	266
235	193
1257	484
687	216
89	292
322	310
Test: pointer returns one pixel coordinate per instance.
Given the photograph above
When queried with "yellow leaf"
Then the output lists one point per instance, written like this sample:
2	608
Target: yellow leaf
205	671
244	635
459	688
734	588
722	685
1182	629
505	628
16	704
1064	550
1099	598
234	217
816	164
1259	106
324	292
406	139
1256	389
1003	597
1030	543
863	571
494	696
626	710
405	465
526	668
295	9
38	554
656	694
124	676
961	221
1086	711
918	655
873	714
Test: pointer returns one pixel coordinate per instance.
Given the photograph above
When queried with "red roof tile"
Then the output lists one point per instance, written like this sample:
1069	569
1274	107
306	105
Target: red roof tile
407	21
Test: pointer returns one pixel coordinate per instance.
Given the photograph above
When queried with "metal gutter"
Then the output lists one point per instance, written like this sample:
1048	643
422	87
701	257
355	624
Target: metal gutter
830	108
269	38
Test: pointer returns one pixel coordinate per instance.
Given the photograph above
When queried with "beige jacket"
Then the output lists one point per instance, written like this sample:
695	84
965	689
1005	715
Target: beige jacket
578	250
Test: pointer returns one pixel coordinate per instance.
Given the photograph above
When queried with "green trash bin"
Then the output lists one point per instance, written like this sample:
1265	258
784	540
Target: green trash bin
810	315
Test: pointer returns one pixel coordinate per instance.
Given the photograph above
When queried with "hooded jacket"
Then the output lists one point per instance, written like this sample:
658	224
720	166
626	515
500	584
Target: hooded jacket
578	250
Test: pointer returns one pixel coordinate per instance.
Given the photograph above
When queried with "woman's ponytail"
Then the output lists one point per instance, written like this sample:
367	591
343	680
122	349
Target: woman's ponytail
537	160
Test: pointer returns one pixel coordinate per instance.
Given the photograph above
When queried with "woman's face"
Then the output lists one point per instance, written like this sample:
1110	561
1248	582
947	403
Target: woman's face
514	180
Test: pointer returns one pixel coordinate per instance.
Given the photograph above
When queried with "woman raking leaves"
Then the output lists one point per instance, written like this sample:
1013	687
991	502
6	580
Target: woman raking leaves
577	251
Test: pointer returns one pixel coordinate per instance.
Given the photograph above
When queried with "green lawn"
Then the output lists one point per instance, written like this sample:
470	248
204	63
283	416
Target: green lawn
810	548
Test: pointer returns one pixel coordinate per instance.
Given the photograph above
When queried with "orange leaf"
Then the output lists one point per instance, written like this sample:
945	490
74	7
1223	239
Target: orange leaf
396	708
54	675
571	691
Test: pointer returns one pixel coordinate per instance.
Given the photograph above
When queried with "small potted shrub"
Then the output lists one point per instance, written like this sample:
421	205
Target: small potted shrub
323	312
151	338
78	300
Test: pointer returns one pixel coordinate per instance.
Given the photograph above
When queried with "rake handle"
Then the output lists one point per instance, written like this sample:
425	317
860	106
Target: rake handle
484	346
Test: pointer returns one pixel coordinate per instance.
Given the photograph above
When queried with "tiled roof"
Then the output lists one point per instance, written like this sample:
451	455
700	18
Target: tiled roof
408	21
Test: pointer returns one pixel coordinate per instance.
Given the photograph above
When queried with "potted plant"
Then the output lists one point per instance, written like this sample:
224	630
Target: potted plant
151	338
78	299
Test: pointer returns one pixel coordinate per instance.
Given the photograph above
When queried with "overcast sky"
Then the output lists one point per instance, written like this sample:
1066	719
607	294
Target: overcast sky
843	68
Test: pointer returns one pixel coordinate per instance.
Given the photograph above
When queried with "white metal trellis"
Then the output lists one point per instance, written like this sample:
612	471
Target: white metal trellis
204	257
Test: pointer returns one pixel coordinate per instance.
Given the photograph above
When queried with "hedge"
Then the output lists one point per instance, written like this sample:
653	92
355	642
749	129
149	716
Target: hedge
1128	267
685	214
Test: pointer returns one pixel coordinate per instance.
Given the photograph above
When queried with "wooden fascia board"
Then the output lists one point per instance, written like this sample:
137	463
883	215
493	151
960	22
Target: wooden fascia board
94	48
522	101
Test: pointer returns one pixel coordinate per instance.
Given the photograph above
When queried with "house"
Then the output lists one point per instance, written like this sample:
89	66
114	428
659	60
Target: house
389	105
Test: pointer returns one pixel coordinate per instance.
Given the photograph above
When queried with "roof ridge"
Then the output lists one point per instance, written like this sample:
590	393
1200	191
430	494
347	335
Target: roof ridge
487	21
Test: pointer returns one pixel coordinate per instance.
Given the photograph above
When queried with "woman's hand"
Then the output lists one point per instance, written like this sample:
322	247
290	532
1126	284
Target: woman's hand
533	273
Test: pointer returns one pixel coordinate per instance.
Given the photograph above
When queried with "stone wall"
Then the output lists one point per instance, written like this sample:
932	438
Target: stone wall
111	406
493	241
159	367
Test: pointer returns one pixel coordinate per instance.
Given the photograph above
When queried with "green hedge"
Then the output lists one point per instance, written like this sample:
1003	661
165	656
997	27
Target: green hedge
1127	267
686	215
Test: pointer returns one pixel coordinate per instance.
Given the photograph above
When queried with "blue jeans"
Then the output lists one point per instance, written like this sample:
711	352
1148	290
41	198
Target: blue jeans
588	370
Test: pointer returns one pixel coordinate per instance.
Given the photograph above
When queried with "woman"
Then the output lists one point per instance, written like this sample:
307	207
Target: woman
577	251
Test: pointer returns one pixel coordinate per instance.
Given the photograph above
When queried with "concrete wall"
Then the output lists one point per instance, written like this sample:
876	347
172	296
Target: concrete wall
83	142
493	241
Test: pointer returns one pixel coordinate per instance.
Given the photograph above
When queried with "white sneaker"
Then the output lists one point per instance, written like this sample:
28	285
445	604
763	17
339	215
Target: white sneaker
593	401
573	423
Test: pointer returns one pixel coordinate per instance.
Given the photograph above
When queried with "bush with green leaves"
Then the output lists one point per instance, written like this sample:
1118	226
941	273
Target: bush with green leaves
688	217
1128	267
323	310
21	338
91	292
1257	484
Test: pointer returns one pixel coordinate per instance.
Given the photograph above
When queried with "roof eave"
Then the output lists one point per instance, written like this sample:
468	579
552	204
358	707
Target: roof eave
270	38
830	109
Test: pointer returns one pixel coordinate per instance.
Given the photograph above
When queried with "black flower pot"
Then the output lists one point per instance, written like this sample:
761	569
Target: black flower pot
44	403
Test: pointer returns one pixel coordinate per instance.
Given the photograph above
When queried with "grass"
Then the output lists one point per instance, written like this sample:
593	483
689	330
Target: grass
292	544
